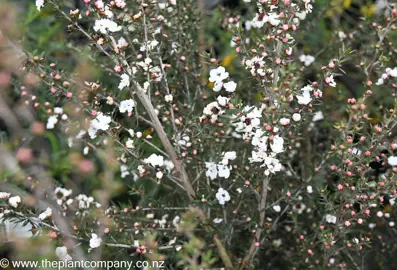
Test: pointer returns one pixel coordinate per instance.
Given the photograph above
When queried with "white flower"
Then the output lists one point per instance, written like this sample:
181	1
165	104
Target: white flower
330	81
101	122
228	156
217	86
301	15
125	81
176	221
223	171
299	207
330	219
305	98
107	12
14	201
256	65
4	195
318	116
52	120
173	2
141	169
277	144
120	3
162	5
99	4
58	110
62	254
218	74
341	35
389	73
127	105
392	72
39	4
307	60
261	19
155	160
213	109
308	6
95	241
284	121
223	101
309	189
277	243
159	174
104	25
230	86
129	143
392	160
277	208
168	98
150	45
217	220
47	213
380	81
274	19
65	192
122	42
212	171
296	117
356	151
222	196
273	165
392	201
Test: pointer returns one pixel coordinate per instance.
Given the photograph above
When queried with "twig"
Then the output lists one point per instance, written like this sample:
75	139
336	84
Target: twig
262	214
223	254
144	99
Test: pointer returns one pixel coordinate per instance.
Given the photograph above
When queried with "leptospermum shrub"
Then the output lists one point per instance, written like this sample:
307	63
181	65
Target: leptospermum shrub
239	166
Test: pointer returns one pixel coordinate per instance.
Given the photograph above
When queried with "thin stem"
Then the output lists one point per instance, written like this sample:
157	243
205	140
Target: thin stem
262	213
144	99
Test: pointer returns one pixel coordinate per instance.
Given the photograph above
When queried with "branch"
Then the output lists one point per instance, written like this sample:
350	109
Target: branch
262	214
144	99
223	254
